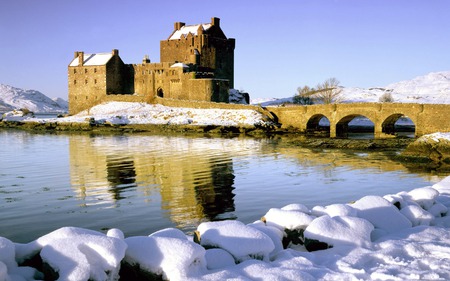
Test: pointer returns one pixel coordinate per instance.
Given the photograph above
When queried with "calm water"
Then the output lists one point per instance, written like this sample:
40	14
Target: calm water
143	183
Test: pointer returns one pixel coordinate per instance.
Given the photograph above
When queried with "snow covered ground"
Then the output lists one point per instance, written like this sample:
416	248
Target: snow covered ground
143	113
403	236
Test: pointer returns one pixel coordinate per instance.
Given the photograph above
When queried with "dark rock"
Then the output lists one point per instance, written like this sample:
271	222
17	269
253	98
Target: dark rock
315	245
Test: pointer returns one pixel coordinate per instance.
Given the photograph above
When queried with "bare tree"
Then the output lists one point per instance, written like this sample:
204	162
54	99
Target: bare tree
329	91
304	95
386	97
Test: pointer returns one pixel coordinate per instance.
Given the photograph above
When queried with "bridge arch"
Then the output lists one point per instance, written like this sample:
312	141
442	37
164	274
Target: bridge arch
343	129
392	125
318	123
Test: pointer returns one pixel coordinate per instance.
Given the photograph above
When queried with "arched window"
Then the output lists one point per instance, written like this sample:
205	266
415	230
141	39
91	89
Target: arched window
160	93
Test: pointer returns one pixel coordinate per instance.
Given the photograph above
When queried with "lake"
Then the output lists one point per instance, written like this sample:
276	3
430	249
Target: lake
143	183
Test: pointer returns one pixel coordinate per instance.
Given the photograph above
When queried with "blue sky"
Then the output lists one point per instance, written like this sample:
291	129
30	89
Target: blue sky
280	45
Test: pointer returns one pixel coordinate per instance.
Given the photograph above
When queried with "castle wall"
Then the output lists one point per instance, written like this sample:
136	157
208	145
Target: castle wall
87	86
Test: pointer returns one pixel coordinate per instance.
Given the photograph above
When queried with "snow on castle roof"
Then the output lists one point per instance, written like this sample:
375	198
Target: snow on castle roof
93	59
185	30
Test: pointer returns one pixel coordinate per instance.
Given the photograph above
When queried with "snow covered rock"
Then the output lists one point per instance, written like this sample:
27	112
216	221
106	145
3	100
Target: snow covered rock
241	241
171	258
443	186
338	230
72	253
274	233
424	196
417	215
381	213
287	219
170	233
218	258
334	210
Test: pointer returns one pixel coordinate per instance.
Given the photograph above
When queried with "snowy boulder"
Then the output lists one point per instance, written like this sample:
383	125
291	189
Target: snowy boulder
274	233
217	258
425	196
9	270
296	207
443	186
72	253
417	215
334	210
170	233
335	231
287	219
241	241
381	213
292	222
438	209
7	253
170	258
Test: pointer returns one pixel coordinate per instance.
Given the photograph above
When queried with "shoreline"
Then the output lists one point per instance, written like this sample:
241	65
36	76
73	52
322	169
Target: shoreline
298	138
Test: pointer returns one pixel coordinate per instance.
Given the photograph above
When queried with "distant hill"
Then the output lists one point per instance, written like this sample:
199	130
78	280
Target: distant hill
16	98
431	88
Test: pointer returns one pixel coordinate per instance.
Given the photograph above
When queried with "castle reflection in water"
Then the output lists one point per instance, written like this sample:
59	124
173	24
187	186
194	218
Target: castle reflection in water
193	185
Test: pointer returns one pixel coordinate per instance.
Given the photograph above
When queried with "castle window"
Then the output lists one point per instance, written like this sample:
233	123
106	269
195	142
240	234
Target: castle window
85	81
74	70
95	81
74	82
86	97
95	70
85	70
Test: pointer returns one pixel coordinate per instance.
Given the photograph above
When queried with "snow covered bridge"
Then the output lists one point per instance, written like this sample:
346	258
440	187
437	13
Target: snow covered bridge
427	118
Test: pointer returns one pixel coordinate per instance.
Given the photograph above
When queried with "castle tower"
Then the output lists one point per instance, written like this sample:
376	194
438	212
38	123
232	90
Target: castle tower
204	45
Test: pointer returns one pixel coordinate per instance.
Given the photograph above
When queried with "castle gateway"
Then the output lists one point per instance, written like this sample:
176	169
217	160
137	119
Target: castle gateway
197	63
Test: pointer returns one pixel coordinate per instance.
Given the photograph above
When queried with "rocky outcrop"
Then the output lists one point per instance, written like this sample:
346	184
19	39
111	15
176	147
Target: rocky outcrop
432	150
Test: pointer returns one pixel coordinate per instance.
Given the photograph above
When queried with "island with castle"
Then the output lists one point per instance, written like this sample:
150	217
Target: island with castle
197	64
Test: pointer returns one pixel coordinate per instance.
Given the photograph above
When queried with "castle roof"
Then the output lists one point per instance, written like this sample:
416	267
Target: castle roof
185	30
179	64
93	59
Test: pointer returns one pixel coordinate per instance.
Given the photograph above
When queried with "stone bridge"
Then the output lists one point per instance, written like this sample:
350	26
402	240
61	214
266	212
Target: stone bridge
427	118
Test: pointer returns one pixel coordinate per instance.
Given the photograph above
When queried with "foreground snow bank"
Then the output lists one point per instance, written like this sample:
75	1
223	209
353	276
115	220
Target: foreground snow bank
403	236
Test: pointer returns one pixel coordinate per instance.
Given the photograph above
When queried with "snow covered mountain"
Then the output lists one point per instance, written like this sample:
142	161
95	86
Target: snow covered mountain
35	101
431	88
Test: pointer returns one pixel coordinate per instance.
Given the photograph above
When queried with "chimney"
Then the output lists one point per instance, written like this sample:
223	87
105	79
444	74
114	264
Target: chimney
80	56
115	52
215	21
179	25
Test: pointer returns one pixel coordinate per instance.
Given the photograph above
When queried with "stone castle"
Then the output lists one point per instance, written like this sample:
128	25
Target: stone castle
197	64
